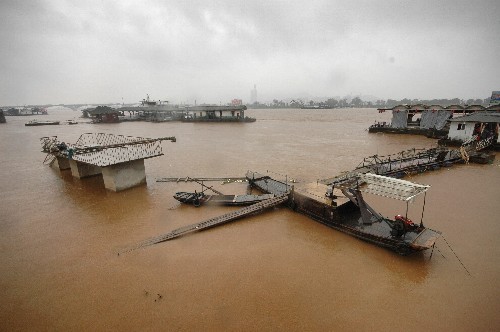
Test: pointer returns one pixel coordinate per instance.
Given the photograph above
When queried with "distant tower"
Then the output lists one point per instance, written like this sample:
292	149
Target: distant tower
253	95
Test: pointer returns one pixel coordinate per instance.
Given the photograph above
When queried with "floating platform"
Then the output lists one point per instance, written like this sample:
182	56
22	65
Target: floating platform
430	133
400	164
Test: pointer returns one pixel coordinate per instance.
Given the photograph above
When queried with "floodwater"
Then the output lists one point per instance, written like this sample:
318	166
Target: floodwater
59	236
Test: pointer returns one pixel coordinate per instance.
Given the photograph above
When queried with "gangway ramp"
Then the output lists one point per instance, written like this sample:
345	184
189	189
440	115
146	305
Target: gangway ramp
216	221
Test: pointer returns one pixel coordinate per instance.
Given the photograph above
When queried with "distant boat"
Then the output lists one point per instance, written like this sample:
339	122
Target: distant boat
41	123
315	107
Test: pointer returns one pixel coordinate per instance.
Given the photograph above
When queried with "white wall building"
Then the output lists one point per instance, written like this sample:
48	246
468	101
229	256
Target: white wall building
464	127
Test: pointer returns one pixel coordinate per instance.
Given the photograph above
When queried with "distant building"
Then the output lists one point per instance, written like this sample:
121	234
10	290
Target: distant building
483	123
236	102
495	98
253	95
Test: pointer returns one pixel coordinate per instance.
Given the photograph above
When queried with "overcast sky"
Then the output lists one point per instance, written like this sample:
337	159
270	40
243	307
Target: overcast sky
100	51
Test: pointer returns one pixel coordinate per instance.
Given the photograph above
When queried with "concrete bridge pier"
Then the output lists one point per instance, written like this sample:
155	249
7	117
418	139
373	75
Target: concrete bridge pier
62	163
126	175
120	159
82	170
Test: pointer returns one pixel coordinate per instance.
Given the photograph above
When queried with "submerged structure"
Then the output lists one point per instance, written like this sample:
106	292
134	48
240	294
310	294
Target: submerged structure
120	159
428	120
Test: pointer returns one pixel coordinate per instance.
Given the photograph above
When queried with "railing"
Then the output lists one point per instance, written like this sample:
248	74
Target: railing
102	150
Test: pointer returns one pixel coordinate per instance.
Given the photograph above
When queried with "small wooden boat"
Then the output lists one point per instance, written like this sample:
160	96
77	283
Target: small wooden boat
236	200
41	123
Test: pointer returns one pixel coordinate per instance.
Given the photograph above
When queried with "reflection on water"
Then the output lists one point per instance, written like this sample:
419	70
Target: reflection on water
277	270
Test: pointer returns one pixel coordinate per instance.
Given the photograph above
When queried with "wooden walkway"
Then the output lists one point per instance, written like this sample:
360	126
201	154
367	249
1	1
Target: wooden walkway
216	221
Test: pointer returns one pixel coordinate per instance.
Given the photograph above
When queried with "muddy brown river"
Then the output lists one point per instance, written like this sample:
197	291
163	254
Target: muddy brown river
59	236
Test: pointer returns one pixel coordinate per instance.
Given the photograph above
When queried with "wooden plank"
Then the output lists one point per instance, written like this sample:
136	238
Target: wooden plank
212	222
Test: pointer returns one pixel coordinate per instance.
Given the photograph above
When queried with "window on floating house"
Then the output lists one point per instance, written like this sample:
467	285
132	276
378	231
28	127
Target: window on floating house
461	126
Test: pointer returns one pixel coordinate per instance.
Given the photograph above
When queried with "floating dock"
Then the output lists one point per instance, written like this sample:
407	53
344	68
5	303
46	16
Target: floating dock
400	164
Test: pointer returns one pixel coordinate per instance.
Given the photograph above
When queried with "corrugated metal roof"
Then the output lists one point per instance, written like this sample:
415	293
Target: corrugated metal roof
389	187
479	117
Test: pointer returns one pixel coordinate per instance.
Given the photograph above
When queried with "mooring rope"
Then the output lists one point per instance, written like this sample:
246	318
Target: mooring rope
440	252
456	256
432	251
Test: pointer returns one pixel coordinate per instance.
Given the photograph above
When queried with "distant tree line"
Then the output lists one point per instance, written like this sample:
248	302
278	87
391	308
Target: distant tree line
357	102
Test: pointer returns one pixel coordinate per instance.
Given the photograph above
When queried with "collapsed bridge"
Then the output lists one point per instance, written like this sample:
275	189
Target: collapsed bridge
120	159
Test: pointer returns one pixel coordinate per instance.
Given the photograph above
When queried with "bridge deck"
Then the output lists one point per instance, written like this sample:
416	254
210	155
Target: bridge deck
100	149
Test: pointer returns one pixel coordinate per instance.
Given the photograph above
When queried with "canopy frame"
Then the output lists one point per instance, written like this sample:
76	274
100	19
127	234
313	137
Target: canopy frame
389	187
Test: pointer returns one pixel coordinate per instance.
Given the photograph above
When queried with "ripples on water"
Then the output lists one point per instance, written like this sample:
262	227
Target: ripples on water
274	271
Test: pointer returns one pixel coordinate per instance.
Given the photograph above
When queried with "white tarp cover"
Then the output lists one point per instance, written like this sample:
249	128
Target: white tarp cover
399	119
392	188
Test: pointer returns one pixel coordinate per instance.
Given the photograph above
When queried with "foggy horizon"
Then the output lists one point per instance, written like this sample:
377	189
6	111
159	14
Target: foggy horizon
67	52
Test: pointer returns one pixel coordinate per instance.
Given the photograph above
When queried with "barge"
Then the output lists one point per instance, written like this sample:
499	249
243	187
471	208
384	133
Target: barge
41	123
356	217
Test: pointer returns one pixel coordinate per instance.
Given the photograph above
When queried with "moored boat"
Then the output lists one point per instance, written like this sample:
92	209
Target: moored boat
235	200
356	217
41	123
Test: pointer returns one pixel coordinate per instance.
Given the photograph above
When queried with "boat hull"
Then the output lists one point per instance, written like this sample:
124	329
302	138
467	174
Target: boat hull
198	199
42	123
347	219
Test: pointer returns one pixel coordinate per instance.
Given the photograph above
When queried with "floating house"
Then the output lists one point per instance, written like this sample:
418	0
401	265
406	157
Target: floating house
482	125
419	119
151	110
216	114
103	114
